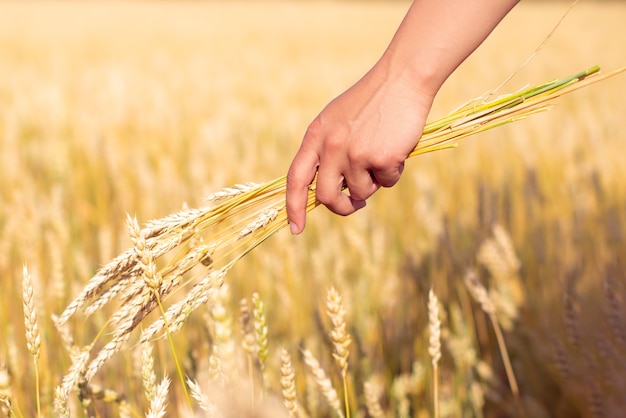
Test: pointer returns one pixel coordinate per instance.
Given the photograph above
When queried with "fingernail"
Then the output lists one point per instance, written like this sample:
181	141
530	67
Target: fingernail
294	228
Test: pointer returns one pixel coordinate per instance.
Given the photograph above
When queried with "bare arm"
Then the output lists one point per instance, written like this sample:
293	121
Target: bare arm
362	137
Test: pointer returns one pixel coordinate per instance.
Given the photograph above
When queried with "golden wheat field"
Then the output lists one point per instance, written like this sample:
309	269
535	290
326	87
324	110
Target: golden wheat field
145	108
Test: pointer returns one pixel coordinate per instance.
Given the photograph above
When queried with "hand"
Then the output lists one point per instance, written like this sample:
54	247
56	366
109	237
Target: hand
359	142
361	139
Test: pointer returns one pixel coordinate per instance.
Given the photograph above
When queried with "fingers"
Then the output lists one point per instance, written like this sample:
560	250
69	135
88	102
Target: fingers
331	185
388	175
329	191
364	182
300	175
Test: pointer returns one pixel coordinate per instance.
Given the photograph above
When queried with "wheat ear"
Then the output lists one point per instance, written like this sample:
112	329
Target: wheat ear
60	403
479	293
288	384
158	403
70	381
371	391
6	407
323	382
434	345
148	376
248	340
203	401
338	334
340	338
33	338
224	343
260	328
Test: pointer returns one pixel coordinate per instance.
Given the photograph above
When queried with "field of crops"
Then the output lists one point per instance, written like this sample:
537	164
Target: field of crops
143	108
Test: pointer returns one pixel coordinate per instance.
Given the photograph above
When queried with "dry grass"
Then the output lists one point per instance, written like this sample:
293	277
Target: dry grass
136	108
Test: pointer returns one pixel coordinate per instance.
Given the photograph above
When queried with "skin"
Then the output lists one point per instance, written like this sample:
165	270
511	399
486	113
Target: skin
362	138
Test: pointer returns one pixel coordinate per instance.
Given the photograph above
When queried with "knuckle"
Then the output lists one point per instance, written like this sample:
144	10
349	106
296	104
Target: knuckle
335	141
359	156
314	129
384	161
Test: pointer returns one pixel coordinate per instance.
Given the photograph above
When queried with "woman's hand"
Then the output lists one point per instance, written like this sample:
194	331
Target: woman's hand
357	144
361	139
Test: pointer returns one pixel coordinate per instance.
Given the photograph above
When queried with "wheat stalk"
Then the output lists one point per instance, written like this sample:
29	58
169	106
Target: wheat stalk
479	293
235	220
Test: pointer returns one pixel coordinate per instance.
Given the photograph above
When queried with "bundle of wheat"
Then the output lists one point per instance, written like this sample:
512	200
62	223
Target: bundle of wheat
194	248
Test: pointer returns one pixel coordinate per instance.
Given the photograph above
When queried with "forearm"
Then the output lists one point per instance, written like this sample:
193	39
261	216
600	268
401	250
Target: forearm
436	36
361	139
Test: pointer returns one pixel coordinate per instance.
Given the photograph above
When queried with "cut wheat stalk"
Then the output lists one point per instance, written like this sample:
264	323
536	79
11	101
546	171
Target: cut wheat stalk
195	248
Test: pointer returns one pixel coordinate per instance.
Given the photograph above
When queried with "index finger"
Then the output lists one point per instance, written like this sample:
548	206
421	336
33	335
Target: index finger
300	175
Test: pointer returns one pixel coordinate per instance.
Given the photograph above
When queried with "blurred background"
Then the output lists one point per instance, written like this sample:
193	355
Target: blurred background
108	108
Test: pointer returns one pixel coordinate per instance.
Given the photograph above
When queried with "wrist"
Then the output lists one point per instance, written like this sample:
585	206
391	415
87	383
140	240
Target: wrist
420	83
